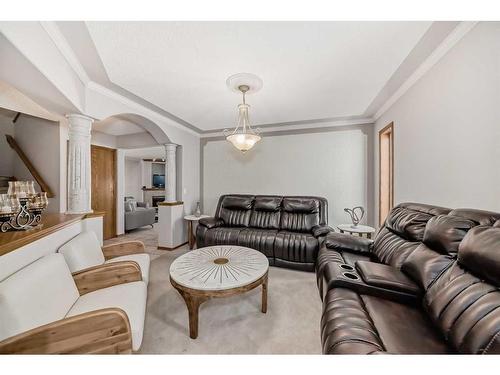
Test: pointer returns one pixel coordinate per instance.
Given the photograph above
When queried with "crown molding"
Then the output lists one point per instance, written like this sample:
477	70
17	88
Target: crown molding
305	126
455	36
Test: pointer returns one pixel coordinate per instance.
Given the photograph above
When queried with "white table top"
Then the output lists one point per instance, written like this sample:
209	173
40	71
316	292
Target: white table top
356	229
219	267
194	218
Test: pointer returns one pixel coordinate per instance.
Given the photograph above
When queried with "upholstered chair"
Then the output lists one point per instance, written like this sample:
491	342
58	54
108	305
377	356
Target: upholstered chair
44	309
85	251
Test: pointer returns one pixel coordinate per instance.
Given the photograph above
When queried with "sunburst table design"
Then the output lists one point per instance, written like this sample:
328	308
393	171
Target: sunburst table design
217	271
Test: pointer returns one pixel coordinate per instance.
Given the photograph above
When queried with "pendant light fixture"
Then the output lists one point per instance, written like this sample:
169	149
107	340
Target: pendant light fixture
243	137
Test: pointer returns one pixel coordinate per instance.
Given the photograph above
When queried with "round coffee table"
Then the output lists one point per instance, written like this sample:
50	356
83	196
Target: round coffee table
217	271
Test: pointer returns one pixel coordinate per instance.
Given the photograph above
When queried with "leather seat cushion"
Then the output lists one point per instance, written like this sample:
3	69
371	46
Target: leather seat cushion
130	297
296	247
222	236
142	259
403	329
258	239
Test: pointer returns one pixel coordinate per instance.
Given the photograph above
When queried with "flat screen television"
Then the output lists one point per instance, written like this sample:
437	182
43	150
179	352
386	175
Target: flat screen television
159	180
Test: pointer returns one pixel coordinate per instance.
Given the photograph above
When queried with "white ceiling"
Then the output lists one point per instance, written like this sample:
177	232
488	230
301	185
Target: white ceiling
156	152
311	70
117	126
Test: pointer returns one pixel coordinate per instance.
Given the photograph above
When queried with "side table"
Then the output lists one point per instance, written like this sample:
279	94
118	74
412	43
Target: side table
360	230
191	237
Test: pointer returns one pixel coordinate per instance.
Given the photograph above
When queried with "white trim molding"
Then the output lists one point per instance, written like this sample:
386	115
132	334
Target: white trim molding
455	36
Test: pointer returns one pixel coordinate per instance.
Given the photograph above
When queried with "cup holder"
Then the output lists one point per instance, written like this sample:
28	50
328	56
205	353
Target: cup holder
346	267
351	276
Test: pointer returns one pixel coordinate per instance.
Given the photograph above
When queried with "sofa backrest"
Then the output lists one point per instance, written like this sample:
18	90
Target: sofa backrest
403	231
82	251
266	212
290	213
301	214
235	210
464	302
37	294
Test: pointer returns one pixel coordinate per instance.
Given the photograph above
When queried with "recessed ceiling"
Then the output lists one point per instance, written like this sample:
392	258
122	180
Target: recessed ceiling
311	70
117	126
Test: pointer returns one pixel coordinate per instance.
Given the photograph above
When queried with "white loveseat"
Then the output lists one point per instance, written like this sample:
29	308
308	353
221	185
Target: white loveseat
46	309
84	251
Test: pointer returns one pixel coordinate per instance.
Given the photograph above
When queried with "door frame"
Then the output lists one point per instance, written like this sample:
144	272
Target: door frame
115	187
387	130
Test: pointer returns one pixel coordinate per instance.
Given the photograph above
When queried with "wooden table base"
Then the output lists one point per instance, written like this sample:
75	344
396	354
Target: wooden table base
194	298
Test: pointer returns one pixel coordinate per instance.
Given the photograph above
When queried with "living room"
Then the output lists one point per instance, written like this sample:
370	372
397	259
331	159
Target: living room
254	187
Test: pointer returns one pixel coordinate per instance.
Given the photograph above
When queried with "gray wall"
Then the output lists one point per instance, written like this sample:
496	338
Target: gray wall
6	153
40	141
133	179
447	128
335	163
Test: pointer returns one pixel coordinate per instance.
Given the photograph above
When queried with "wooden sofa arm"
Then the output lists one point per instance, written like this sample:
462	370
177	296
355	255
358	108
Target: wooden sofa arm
105	331
106	275
123	248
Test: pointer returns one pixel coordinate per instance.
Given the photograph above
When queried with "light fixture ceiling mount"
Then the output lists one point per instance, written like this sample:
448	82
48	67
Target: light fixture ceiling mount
243	137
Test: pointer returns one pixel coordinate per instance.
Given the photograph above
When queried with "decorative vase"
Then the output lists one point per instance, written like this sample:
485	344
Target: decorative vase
197	212
356	214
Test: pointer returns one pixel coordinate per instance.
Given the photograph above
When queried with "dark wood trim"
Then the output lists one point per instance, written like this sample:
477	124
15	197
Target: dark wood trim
152	189
171	203
171	248
387	129
50	223
38	178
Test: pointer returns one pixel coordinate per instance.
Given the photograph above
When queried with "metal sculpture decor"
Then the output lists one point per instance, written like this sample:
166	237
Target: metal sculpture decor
356	214
21	208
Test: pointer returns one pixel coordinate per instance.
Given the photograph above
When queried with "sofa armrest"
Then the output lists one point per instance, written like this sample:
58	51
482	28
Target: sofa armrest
211	222
122	248
387	277
105	331
143	204
347	242
321	230
106	275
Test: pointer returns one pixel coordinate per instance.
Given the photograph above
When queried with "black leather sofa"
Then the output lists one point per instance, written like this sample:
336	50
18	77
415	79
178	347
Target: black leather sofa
288	230
427	284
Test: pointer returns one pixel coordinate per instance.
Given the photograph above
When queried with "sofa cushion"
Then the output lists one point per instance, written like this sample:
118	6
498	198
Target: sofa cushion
390	248
83	251
296	247
130	297
236	210
37	294
266	212
258	239
299	214
443	233
142	259
222	236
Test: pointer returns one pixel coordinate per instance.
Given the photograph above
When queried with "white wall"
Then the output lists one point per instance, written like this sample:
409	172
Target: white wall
335	164
447	128
102	139
133	178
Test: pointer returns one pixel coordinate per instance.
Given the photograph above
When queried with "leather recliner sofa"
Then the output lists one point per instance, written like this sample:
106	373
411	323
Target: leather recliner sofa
435	291
287	229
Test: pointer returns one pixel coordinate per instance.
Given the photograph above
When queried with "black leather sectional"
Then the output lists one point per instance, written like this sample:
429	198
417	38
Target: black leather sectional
288	230
428	283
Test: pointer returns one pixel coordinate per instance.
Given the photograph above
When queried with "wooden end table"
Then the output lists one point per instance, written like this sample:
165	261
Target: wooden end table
191	236
215	272
360	230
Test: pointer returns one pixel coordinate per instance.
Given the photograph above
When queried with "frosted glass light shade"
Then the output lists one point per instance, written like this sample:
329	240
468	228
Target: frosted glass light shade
243	141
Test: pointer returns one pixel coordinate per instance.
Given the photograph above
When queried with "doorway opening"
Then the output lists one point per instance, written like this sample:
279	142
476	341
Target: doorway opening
386	171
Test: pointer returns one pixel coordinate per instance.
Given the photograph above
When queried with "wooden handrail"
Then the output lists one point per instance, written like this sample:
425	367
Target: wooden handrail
40	181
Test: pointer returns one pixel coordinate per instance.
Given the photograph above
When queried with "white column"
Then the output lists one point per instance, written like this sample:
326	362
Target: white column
79	187
170	194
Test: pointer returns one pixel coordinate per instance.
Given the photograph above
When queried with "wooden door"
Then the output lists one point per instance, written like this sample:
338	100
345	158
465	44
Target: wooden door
386	171
104	186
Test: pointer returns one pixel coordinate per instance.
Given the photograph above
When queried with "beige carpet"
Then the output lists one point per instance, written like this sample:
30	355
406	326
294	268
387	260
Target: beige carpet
231	325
